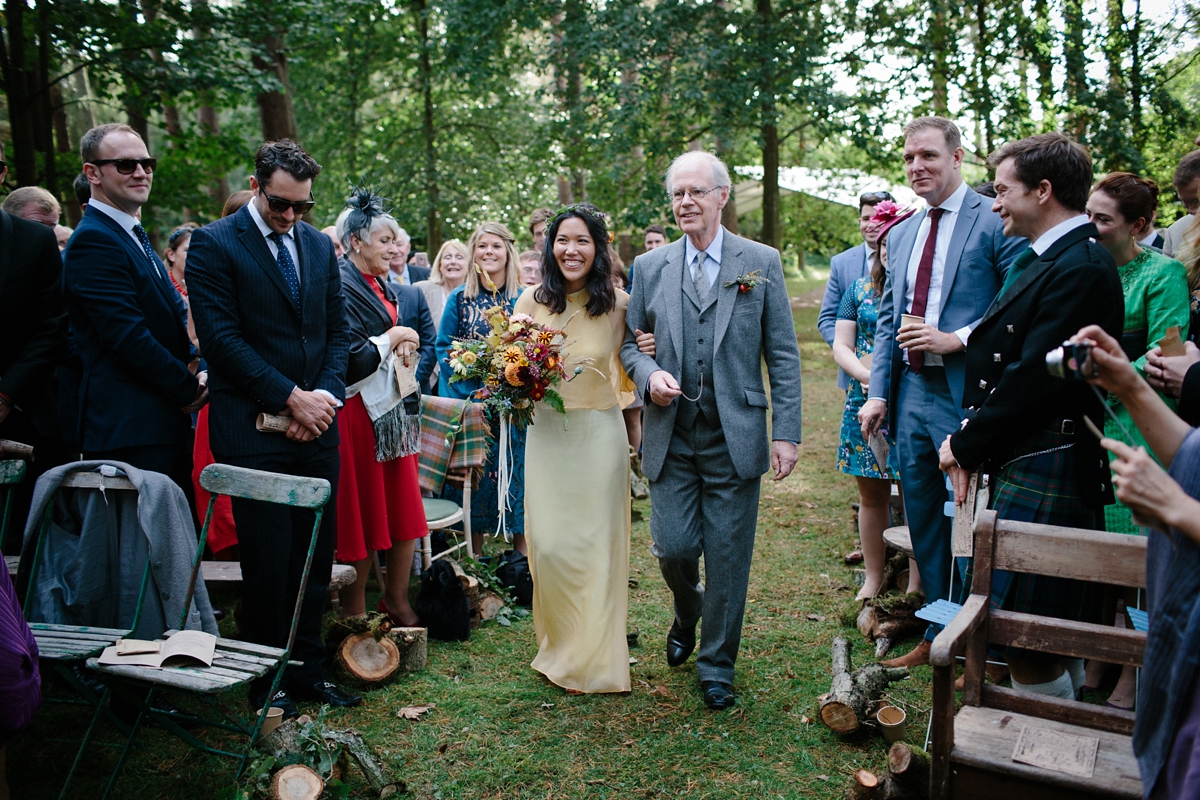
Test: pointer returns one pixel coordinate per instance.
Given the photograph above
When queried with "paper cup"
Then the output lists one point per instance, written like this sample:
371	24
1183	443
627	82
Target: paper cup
275	719
911	319
893	721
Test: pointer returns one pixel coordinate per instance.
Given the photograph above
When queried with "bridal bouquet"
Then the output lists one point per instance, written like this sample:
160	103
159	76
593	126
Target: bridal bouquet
519	363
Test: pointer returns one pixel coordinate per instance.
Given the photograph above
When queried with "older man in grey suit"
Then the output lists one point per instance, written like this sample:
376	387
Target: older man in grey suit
945	266
718	307
847	267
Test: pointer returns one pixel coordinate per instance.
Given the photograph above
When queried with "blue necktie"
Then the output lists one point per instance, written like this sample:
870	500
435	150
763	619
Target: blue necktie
140	233
286	266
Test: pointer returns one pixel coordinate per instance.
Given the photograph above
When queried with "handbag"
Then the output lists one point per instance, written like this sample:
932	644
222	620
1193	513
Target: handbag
442	604
514	575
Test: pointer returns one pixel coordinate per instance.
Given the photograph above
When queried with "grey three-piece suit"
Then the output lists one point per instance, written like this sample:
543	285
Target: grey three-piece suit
705	458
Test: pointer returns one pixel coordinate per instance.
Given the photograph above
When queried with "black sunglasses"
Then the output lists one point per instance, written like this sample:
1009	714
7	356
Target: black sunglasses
279	205
128	166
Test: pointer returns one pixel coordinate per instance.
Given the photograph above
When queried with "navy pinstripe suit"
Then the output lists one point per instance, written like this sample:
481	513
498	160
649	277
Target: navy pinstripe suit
260	345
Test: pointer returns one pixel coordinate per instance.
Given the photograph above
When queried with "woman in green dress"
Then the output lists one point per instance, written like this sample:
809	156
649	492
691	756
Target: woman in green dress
1156	298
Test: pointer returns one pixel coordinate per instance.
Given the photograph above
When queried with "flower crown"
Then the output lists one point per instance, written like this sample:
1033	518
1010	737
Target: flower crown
587	210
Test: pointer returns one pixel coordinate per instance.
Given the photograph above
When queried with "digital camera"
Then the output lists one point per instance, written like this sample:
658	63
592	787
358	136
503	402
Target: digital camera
1070	361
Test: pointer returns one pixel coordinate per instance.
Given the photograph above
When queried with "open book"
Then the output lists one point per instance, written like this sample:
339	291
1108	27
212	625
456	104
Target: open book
181	648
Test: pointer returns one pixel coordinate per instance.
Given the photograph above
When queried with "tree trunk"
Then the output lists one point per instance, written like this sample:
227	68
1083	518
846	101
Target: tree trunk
276	112
1075	63
768	130
1043	55
367	660
16	86
44	126
940	42
433	222
729	213
851	695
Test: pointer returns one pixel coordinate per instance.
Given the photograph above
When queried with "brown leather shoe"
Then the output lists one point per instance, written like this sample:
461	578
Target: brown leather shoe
918	657
996	674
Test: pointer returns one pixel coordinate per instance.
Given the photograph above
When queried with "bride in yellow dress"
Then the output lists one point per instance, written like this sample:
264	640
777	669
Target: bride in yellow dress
577	467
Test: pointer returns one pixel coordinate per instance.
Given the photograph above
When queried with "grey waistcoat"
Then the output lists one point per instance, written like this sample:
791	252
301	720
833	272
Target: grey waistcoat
699	326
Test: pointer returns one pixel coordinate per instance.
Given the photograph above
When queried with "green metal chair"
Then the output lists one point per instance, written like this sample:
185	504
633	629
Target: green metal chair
236	663
12	472
63	648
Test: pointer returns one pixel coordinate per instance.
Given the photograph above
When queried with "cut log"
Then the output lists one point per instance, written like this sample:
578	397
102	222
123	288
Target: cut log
851	695
910	768
297	782
489	605
354	745
862	786
889	618
896	564
413	645
368	661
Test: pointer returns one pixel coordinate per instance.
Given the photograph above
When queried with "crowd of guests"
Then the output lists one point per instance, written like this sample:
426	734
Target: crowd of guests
940	323
110	347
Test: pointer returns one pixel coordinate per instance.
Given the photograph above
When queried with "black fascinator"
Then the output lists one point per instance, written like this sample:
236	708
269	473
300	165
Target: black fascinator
364	207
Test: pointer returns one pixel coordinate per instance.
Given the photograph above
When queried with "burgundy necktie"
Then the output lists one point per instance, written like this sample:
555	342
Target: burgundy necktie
916	358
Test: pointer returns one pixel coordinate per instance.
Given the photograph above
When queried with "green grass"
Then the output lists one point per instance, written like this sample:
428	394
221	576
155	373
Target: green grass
502	731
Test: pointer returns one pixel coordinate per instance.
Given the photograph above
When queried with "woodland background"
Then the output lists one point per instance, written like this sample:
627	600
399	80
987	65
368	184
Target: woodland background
464	110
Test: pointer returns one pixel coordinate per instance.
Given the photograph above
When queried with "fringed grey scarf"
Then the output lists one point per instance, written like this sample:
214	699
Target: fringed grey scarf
397	433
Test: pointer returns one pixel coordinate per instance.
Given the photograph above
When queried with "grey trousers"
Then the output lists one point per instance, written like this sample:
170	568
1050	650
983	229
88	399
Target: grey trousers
701	507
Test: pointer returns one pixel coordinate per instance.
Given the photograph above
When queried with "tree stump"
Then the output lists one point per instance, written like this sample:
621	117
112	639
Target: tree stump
851	695
910	768
413	645
887	619
489	605
367	660
297	782
863	786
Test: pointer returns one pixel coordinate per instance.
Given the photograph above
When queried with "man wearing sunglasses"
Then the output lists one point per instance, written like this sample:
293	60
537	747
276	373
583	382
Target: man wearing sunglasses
266	297
137	392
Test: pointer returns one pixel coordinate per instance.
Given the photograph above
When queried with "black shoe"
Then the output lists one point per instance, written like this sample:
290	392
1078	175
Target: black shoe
280	700
680	643
328	694
717	696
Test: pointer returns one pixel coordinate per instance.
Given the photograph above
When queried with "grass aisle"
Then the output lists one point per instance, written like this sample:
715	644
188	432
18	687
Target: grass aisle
501	731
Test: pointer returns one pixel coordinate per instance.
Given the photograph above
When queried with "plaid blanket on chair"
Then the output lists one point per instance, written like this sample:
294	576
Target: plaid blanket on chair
453	437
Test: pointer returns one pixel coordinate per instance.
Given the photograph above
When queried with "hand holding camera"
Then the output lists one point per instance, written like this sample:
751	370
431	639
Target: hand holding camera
1096	357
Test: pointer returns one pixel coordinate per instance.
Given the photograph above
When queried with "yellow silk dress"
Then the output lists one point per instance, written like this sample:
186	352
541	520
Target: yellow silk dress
577	506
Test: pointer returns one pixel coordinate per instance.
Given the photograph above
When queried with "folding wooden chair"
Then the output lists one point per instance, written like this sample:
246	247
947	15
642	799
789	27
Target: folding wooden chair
236	663
973	752
64	647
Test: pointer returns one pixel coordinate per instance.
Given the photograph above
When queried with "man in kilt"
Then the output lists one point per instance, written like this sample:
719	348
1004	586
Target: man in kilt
1023	426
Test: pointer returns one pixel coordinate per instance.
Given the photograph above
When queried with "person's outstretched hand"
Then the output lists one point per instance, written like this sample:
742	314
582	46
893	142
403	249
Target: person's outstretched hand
1166	373
1154	497
1113	370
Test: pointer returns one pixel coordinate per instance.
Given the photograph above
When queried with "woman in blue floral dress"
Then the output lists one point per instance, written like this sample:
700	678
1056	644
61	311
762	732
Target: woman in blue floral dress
492	280
854	339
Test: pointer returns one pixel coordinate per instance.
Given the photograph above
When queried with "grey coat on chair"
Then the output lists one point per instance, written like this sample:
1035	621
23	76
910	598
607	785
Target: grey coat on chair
87	579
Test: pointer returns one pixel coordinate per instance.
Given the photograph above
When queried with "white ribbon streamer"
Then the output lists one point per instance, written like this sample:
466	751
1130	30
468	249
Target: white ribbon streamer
503	477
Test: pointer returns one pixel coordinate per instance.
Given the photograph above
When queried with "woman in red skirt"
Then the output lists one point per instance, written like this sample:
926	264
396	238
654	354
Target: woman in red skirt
379	501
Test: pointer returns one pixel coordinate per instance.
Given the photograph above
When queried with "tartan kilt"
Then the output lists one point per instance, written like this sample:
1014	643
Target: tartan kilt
1043	489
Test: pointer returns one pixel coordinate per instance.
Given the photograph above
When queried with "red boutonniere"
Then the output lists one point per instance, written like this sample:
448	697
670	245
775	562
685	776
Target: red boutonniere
747	281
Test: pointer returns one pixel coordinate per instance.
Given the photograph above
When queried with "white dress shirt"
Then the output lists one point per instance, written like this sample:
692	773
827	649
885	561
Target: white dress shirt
289	239
712	265
1060	230
933	303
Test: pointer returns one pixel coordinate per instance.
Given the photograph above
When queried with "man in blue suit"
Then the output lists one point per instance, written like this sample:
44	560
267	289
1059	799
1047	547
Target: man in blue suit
128	321
945	266
847	267
266	296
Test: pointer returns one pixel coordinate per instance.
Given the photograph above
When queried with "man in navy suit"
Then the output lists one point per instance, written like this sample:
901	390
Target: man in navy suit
847	267
266	297
945	265
138	390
